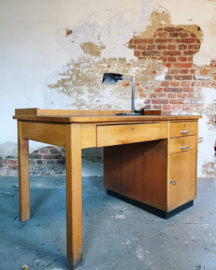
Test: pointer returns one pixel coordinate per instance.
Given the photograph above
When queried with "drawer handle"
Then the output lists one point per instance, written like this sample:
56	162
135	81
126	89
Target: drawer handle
185	147
184	132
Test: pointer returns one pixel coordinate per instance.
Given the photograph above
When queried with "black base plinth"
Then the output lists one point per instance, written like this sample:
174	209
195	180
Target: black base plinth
150	209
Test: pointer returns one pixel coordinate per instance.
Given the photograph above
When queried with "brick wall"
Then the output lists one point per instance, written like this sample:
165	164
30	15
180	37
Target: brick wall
43	162
181	89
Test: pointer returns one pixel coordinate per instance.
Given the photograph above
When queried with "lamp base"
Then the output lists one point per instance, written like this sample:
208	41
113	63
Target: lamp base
128	114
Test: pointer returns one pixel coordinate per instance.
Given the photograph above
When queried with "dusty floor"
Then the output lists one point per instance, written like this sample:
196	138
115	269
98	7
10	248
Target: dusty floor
116	235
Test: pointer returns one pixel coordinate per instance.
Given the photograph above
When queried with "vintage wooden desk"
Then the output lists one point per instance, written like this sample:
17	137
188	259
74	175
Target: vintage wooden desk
149	159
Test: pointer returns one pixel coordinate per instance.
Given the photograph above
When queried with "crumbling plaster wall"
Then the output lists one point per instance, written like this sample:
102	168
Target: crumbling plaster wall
55	52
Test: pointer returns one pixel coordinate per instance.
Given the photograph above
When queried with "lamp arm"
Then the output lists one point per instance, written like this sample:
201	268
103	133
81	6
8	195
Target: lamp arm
133	90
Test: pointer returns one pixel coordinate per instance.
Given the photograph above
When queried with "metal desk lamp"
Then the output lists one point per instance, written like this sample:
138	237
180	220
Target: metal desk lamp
112	78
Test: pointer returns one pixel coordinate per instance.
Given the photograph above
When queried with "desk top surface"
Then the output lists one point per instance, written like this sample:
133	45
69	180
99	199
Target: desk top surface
93	116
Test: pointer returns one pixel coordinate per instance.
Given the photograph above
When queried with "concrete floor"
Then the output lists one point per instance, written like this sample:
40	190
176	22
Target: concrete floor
116	235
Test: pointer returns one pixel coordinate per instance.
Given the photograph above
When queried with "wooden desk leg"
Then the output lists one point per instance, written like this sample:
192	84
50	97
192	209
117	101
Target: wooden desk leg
23	162
73	195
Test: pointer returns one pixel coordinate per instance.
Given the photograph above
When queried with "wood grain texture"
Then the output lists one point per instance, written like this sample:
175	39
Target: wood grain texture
180	129
73	195
32	111
181	144
183	172
44	132
112	168
88	135
138	171
23	163
108	135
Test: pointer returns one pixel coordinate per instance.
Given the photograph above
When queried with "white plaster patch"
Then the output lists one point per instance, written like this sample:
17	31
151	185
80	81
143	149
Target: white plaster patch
208	134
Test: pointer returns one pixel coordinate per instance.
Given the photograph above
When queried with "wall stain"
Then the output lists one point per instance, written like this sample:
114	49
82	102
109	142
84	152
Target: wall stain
68	32
92	49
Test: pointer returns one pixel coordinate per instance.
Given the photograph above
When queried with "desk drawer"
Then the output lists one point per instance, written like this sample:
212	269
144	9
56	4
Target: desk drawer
108	135
182	144
180	129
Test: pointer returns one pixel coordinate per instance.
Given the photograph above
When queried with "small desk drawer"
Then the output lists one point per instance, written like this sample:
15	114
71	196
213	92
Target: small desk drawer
182	144
183	129
108	135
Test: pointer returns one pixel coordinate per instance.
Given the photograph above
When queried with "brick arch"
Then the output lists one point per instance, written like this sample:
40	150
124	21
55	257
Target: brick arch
181	89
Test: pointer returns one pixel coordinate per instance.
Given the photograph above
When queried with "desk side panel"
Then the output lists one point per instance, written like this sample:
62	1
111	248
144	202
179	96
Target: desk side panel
44	132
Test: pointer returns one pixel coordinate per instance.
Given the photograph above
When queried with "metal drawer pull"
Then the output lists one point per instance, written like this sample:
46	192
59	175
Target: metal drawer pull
186	147
172	182
184	132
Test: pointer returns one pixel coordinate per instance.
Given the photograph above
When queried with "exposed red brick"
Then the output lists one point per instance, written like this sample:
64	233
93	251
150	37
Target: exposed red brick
12	161
151	53
127	84
161	47
178	101
206	84
172	89
187	107
132	47
193	71
168	77
167	107
147	101
188	89
154	58
182	95
140	89
148	107
160	95
182	47
160	101
143	41
171	47
171	53
143	95
175	83
153	95
183	34
154	72
167	65
214	77
176	107
195	84
157	107
183	77
173	29
165	40
142	47
163	58
141	58
172	59
131	41
182	59
165	83
204	71
151	47
160	29
44	151
189	52
184	71
174	34
174	71
137	53
185	83
158	90
186	40
194	47
190	59
172	95
163	34
192	35
183	65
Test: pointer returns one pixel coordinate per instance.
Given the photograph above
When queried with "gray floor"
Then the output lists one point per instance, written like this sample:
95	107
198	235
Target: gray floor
116	235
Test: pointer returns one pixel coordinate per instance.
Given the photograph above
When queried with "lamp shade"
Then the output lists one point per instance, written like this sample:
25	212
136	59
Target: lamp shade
111	78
